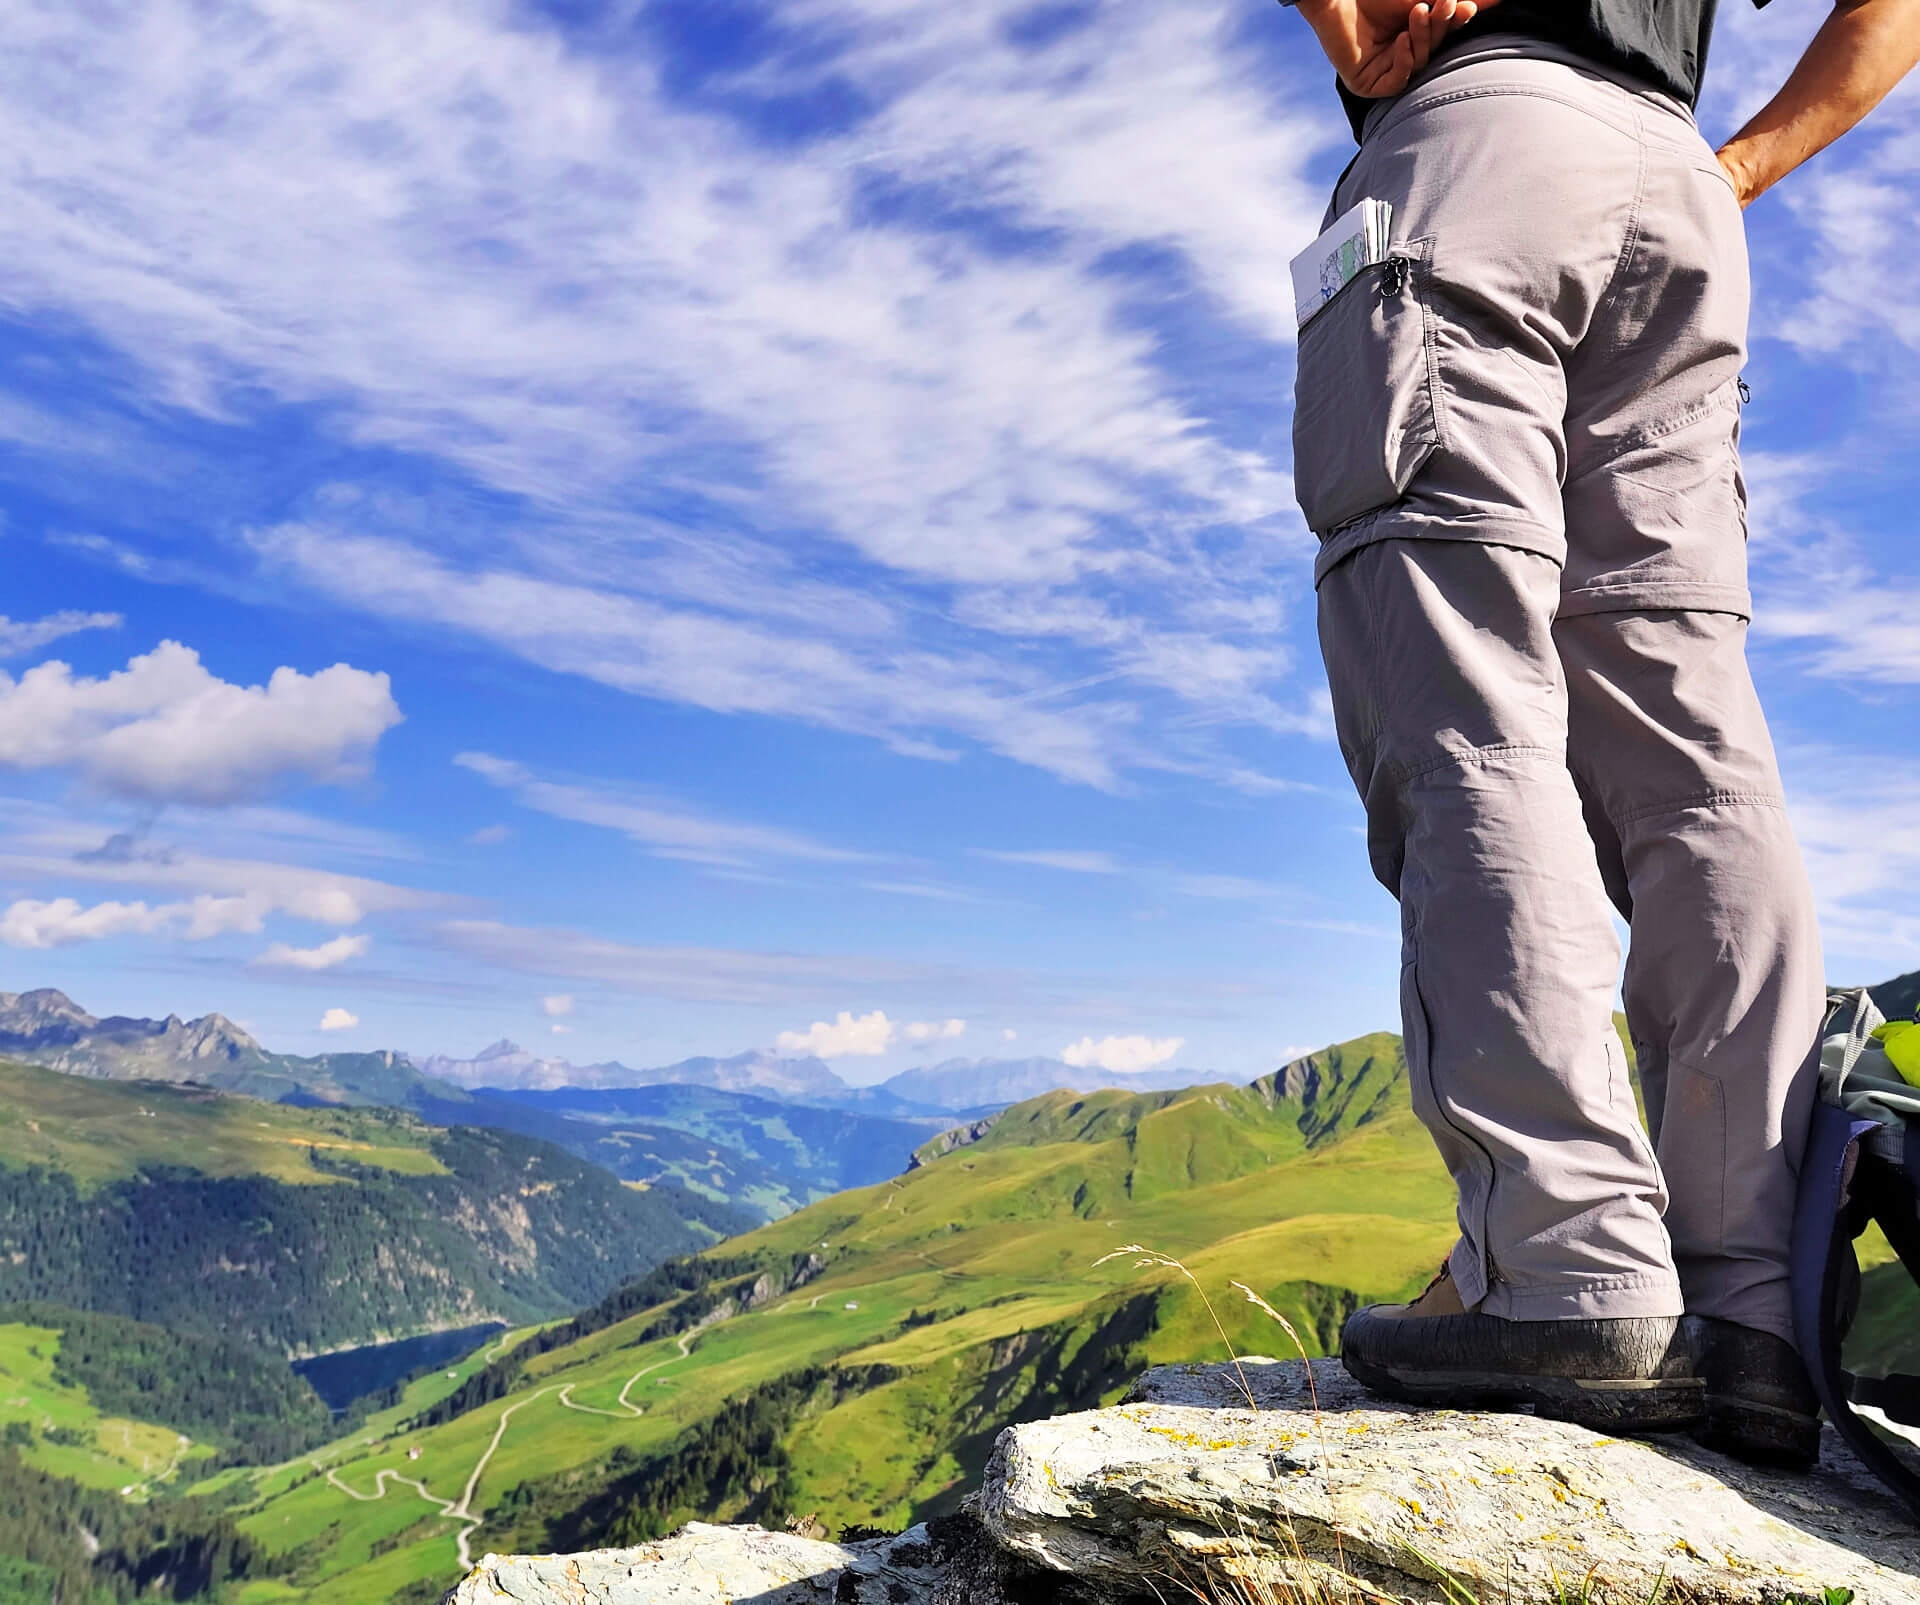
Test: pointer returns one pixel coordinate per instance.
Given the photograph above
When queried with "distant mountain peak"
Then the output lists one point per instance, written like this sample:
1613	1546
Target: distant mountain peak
505	1048
958	1084
42	1016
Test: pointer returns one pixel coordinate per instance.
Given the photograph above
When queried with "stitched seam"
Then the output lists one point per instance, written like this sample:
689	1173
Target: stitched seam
1714	401
1631	242
1418	108
1711	799
1473	755
1559	1290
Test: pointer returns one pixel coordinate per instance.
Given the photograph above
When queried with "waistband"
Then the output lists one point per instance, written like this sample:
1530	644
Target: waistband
1515	47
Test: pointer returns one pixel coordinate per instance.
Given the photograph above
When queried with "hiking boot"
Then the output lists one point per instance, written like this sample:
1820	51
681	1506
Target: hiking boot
1622	1376
1761	1406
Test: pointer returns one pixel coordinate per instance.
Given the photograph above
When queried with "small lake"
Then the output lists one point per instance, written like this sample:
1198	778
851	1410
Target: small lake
348	1374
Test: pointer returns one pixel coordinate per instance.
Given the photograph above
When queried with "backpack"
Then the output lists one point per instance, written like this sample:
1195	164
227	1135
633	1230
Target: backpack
1862	1165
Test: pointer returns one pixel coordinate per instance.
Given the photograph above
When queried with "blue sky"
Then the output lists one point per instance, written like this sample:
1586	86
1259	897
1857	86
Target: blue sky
680	521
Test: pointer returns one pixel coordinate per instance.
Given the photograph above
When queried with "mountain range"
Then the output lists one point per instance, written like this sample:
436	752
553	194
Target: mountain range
952	1087
47	1027
761	1133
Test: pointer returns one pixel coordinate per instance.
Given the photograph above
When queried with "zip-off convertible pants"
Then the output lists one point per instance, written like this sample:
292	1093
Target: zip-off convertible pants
1519	447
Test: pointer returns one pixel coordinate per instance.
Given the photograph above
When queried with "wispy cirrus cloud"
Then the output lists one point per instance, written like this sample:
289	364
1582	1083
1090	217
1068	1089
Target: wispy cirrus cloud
21	636
849	411
1069	860
664	828
260	875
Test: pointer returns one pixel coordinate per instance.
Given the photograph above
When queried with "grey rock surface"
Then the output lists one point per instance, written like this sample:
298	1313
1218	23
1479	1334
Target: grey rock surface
704	1565
1188	1477
1228	1482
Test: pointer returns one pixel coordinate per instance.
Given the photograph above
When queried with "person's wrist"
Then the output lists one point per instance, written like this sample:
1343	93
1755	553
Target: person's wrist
1740	173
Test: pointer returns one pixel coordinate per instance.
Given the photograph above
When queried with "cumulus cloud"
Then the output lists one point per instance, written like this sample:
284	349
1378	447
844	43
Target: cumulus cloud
1122	1055
557	1004
324	957
338	1020
843	1037
63	920
200	896
165	730
867	1035
18	637
32	924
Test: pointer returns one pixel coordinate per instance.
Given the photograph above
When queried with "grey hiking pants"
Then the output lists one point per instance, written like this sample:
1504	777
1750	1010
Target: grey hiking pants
1520	454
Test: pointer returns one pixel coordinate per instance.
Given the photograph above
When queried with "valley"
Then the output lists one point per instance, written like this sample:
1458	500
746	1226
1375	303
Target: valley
843	1366
851	1363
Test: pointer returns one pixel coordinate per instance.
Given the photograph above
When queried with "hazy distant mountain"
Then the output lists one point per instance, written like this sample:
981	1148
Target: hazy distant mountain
511	1067
965	1084
48	1028
950	1087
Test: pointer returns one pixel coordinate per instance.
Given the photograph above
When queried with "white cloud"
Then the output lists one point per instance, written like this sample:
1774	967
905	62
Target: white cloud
669	831
934	1030
57	923
324	957
1859	829
559	1030
489	836
1121	1055
997	438
165	730
29	635
686	974
199	896
31	924
1009	1035
1073	861
928	891
338	1020
557	1004
844	1037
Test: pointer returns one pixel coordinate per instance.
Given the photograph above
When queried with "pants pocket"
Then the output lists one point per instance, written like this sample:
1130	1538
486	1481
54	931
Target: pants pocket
1366	410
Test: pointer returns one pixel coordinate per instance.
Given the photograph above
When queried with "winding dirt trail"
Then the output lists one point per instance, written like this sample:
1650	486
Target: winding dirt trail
625	1407
461	1510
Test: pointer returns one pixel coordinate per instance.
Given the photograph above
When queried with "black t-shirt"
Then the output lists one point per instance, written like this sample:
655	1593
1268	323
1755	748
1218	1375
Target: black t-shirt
1663	43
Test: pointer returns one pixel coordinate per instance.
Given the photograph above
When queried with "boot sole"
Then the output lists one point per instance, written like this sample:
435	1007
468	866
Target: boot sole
1761	1434
1623	1407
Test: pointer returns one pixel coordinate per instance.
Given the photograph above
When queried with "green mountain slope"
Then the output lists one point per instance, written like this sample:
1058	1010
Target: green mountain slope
854	1360
756	1153
303	1229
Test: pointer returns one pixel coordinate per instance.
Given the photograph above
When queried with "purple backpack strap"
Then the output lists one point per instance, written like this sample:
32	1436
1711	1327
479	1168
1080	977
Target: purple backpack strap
1822	1249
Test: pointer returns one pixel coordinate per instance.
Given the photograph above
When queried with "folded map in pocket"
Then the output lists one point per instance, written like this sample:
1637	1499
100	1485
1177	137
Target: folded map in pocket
1357	240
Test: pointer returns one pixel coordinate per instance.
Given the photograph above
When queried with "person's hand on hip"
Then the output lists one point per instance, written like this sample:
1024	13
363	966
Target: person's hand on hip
1376	46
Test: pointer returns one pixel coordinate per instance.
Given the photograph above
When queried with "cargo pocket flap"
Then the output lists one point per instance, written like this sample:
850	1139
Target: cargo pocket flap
1366	414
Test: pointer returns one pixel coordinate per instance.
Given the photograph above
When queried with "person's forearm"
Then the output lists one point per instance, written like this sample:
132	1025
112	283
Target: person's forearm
1859	54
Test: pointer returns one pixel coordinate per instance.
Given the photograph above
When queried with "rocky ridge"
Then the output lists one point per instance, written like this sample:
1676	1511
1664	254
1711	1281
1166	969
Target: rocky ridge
1240	1482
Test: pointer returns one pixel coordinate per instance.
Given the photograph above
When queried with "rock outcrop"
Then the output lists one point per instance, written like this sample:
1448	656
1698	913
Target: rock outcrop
1228	1481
